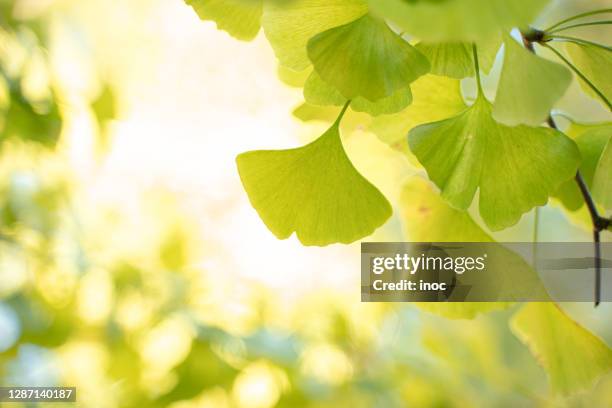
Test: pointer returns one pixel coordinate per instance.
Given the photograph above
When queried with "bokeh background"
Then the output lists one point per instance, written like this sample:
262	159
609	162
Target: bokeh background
133	267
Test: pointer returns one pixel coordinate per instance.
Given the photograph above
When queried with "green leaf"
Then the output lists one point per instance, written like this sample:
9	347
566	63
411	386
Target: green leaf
104	108
573	357
290	24
529	86
314	191
434	98
595	63
365	58
25	121
457	20
602	180
454	59
427	218
350	122
591	140
240	18
317	92
516	168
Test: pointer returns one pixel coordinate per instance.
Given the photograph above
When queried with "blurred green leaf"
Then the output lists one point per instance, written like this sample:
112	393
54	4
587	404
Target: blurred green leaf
457	20
595	63
602	180
529	86
573	357
591	140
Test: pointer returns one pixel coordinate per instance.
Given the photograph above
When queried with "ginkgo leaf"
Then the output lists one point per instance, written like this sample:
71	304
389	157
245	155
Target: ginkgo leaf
591	140
426	217
366	58
529	86
573	357
290	24
595	63
434	98
317	92
350	122
516	168
457	20
455	59
602	180
314	191
240	18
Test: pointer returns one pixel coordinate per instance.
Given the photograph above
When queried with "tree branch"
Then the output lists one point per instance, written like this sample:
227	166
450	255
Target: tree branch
599	223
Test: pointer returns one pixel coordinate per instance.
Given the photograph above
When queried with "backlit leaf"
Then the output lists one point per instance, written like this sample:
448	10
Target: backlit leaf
428	218
602	180
365	58
591	141
290	24
317	92
454	59
457	20
596	64
240	18
314	191
529	86
573	357
516	168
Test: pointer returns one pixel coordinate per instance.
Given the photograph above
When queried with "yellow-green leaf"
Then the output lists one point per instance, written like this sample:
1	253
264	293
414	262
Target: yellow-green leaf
240	18
516	168
314	191
595	63
366	58
317	92
290	24
529	86
573	357
602	180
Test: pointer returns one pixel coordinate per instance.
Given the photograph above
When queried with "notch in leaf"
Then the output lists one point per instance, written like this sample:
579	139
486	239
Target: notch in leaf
314	191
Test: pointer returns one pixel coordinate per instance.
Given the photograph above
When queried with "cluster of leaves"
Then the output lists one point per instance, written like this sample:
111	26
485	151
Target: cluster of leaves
396	66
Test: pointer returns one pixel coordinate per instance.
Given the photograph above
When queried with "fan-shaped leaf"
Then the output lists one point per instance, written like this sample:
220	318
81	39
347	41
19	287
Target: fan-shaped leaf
314	191
290	24
529	86
365	58
240	18
516	168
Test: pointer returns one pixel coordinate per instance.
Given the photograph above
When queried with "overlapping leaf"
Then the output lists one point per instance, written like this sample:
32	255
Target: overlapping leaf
529	86
516	168
317	92
455	59
240	18
366	58
573	357
290	24
602	180
314	191
457	20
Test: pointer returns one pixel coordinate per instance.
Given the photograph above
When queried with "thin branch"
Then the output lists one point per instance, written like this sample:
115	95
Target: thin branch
599	223
592	23
578	16
581	75
576	40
